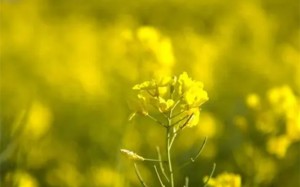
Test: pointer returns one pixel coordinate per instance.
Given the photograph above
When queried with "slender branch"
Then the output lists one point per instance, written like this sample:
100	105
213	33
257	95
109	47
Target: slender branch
157	90
174	106
193	159
169	157
169	140
161	164
139	176
200	150
186	182
158	176
186	122
210	176
180	128
165	115
151	94
172	140
154	160
175	115
180	120
155	120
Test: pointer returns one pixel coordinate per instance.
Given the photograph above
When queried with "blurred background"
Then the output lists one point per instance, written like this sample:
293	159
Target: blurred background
67	71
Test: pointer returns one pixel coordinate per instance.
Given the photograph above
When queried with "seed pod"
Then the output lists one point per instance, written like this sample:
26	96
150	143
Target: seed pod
132	155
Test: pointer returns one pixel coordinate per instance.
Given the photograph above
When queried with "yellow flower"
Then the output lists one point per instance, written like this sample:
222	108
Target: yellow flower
143	102
144	86
162	94
278	145
185	82
195	95
192	91
253	100
194	120
165	105
153	84
225	180
282	98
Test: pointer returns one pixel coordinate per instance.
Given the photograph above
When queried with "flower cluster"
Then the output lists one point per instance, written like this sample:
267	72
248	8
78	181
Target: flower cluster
177	97
278	117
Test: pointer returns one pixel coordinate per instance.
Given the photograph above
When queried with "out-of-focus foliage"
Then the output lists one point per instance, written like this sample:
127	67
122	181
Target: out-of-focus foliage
67	69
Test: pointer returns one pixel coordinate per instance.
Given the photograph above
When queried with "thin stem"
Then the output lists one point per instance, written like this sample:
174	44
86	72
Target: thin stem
155	120
186	122
153	160
175	115
169	157
172	139
175	105
210	176
161	164
200	150
193	159
175	123
151	94
139	176
186	182
158	176
180	128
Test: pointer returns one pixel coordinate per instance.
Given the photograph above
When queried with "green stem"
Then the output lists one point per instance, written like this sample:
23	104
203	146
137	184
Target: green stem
210	176
139	176
170	141
158	176
169	157
161	165
155	120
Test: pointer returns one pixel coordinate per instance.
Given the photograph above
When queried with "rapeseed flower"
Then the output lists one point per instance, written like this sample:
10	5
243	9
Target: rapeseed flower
168	94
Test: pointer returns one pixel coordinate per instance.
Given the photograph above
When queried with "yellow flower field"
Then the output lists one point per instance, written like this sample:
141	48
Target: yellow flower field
82	80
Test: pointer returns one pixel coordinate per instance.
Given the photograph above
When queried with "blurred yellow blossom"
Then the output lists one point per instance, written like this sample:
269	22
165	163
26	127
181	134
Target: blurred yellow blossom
278	145
65	174
165	52
149	36
293	125
104	176
158	48
280	115
208	125
253	100
282	98
39	120
24	179
225	180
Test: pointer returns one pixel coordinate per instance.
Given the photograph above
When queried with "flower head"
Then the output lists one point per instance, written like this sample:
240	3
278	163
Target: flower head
168	94
195	95
192	91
